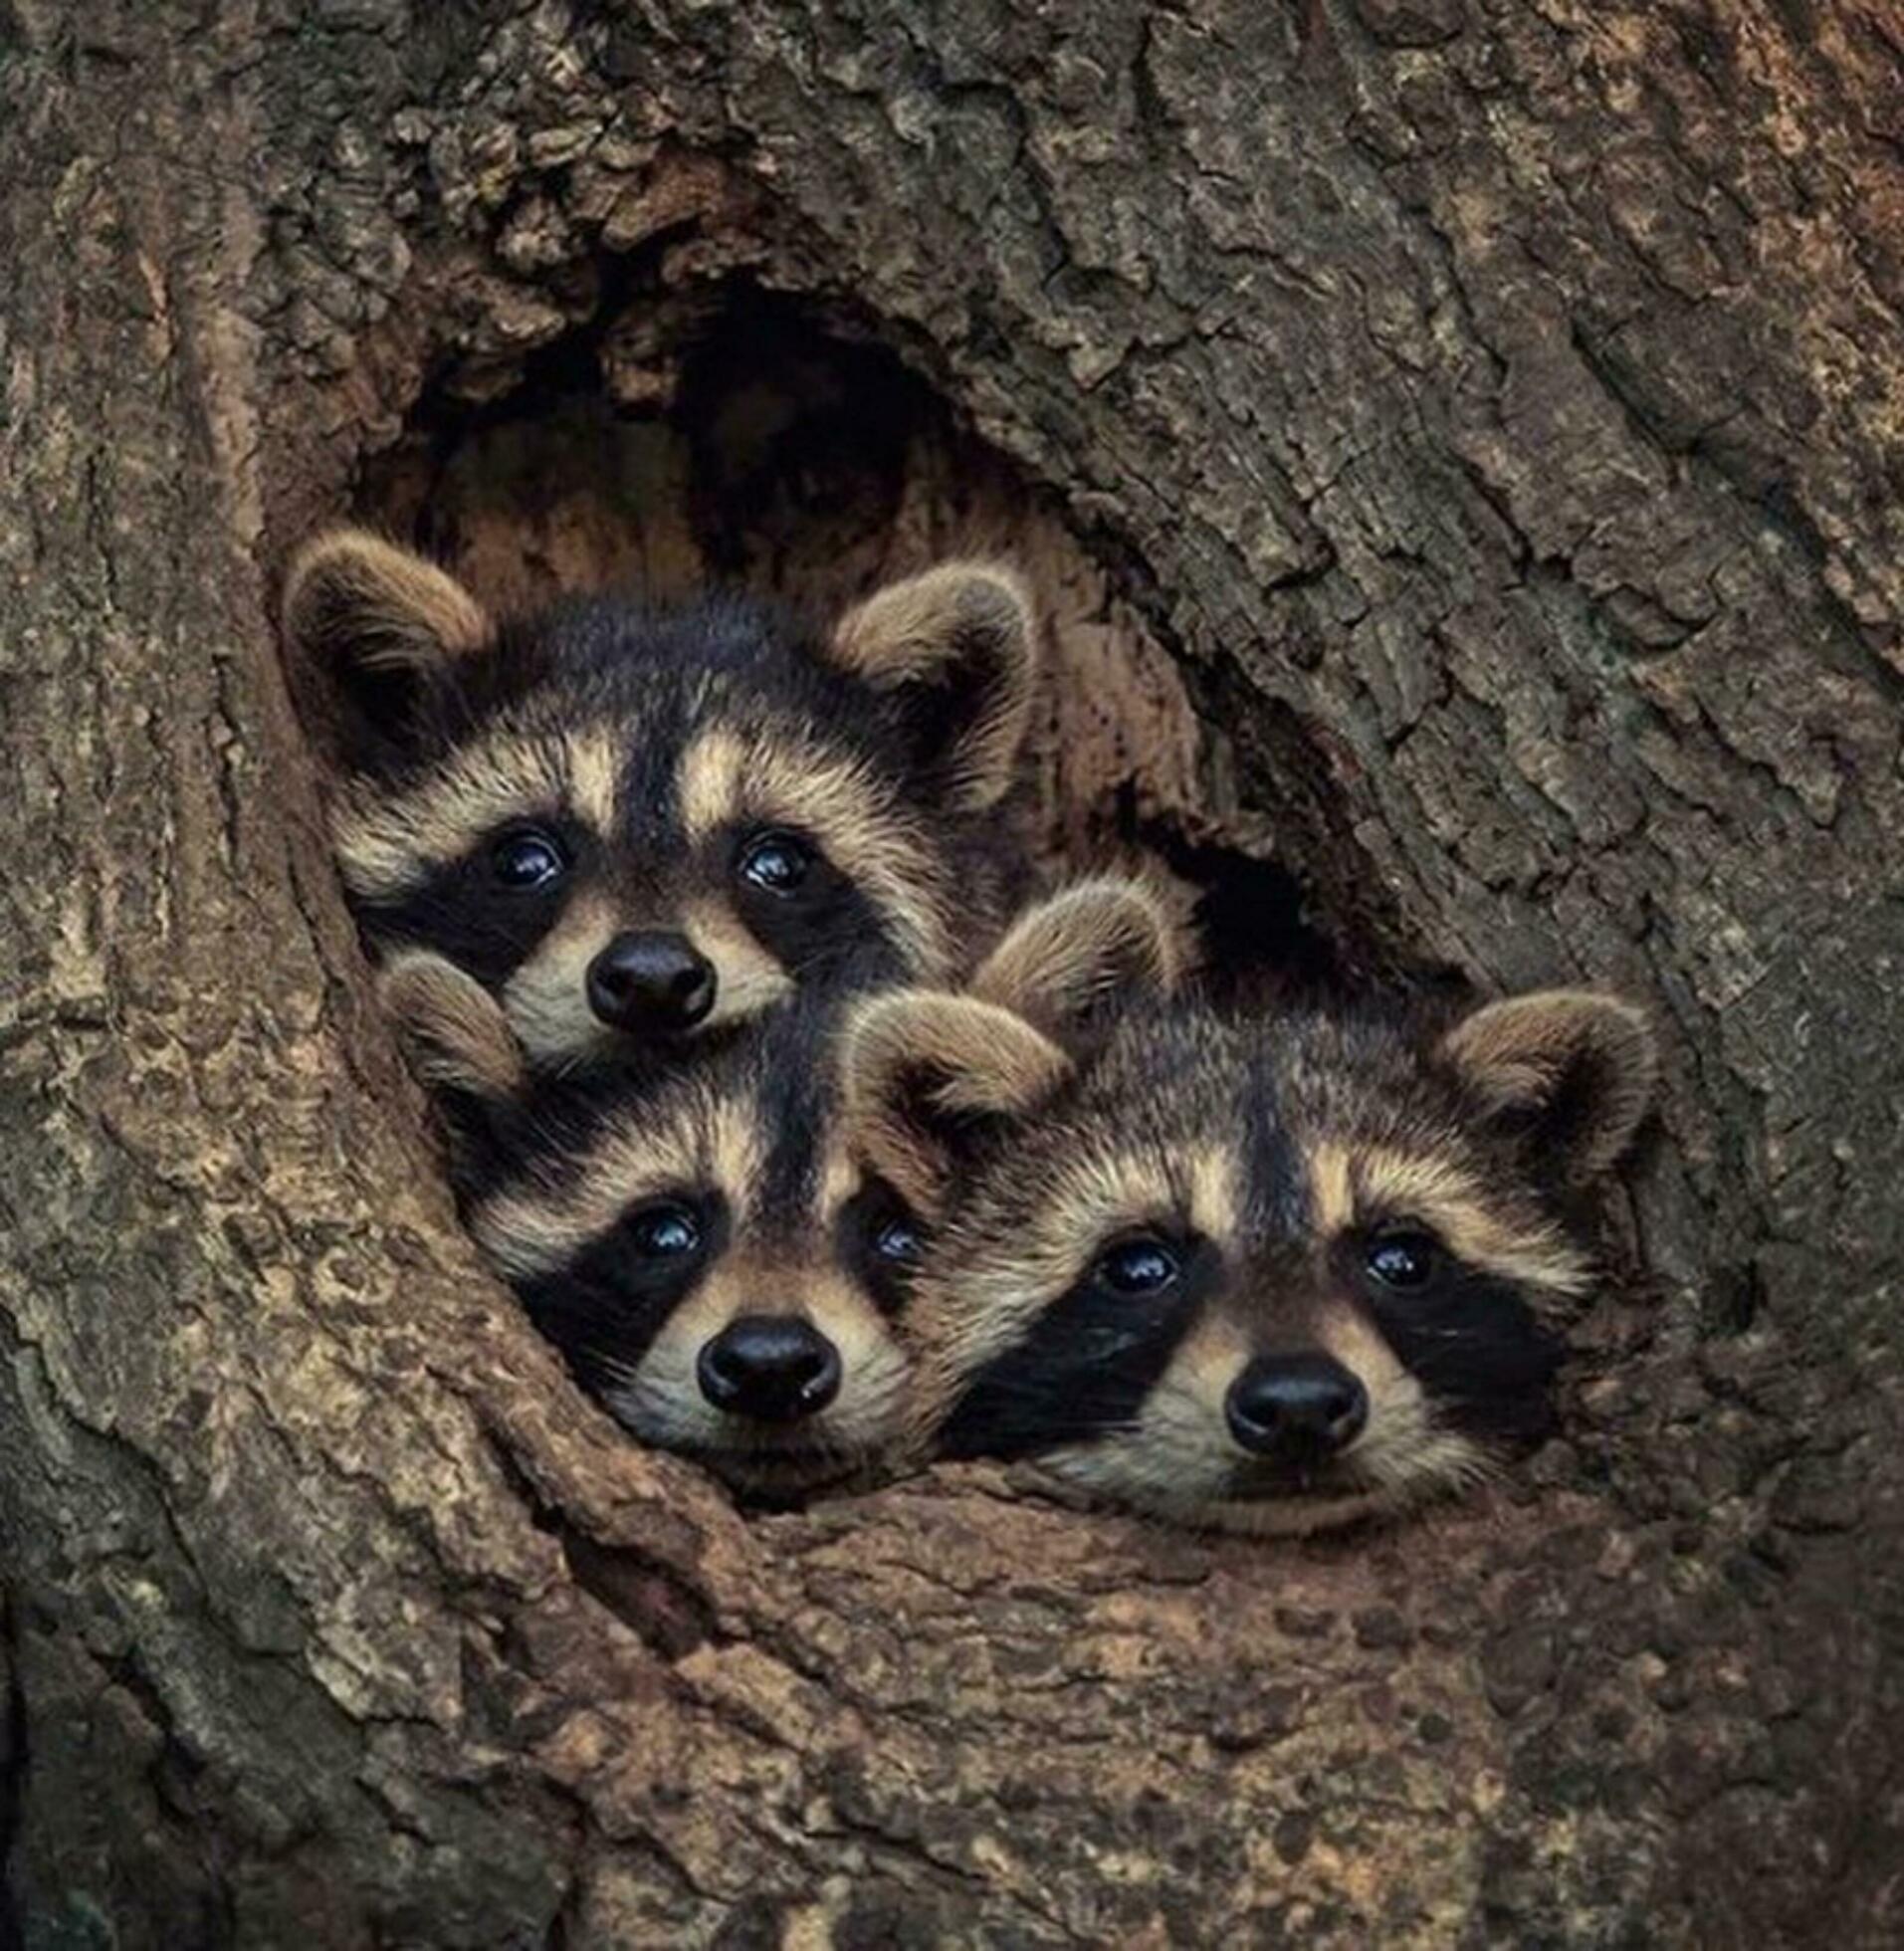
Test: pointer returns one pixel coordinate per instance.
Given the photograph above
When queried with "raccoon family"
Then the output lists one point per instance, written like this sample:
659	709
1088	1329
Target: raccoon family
1495	408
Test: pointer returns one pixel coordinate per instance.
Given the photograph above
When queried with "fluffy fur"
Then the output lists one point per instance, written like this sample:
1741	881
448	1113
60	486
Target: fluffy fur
920	1070
775	808
572	1189
1284	1174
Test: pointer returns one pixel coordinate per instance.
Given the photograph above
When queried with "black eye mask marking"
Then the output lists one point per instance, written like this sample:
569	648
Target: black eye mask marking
807	914
881	1243
605	1308
490	911
1086	1366
1470	1339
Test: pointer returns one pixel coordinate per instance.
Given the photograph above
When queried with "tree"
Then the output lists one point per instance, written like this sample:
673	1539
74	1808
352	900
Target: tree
1485	417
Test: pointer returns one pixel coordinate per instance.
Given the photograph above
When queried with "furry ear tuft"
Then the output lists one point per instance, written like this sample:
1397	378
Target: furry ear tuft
368	624
920	1070
454	1033
1574	1066
958	647
1064	959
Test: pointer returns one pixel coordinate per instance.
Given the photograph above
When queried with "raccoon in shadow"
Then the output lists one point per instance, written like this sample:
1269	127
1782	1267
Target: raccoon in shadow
640	827
704	1251
1262	1275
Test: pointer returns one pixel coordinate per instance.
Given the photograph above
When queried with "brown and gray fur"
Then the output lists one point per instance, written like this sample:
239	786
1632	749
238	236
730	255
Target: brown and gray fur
1277	1171
566	1186
580	807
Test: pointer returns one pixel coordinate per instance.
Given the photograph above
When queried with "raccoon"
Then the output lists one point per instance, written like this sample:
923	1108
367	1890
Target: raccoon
1265	1275
638	827
705	1253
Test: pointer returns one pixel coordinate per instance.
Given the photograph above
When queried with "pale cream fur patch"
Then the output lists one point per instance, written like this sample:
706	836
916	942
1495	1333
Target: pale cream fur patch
389	844
708	782
1214	1176
747	979
594	759
1332	1189
547	996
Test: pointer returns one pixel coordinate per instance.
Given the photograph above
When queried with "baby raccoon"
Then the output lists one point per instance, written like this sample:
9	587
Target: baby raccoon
1263	1276
708	1258
636	827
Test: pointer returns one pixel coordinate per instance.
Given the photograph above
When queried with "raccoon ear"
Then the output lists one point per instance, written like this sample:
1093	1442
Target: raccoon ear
453	1030
1063	959
923	1072
368	625
958	648
1573	1066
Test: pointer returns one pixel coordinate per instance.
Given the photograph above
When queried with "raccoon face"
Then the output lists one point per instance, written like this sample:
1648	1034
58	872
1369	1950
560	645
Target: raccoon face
1267	1277
637	828
711	1263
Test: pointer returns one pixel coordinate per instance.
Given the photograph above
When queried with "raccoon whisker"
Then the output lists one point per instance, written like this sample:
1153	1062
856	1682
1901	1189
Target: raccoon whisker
1174	1402
1415	1452
615	1368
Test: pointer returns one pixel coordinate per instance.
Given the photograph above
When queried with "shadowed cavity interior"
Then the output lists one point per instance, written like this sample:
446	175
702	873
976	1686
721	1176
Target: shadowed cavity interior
808	463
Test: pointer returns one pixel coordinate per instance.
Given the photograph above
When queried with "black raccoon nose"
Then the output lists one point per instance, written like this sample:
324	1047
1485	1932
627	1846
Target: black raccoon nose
651	981
769	1366
1300	1407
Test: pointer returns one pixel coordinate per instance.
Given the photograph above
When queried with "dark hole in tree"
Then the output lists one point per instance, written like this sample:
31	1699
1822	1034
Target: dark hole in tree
739	439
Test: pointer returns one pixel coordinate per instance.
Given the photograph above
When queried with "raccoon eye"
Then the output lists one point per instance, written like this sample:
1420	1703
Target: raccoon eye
775	863
1403	1259
664	1233
1139	1266
528	858
897	1240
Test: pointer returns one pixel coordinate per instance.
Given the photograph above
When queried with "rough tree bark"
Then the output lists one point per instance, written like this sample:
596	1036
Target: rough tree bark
1497	409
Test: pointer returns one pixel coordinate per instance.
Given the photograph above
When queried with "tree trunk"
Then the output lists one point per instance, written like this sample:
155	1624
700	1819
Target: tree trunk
1487	416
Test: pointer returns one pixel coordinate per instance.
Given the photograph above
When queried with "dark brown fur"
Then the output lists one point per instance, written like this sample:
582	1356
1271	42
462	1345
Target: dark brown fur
1271	1165
522	795
562	1184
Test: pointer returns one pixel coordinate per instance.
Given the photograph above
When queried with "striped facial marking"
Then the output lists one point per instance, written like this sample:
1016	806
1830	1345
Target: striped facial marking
1259	1316
719	1276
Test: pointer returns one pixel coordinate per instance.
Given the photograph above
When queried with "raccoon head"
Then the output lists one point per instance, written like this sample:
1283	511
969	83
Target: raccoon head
636	827
1266	1277
708	1257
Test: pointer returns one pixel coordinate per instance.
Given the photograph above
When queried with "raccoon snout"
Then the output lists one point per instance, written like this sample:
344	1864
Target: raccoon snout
650	981
770	1368
1299	1408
